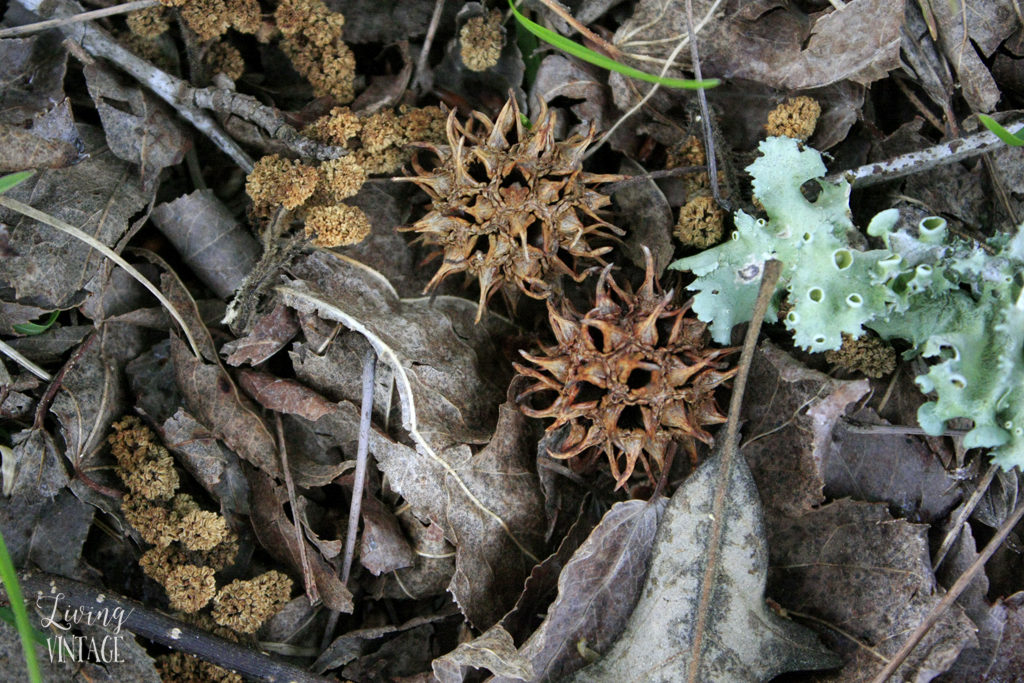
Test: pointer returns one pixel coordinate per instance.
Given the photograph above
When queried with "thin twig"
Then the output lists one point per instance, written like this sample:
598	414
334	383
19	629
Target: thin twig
924	160
418	83
97	43
51	391
11	353
369	367
962	516
43	589
307	571
833	627
862	428
611	188
709	135
559	9
83	16
54	222
950	597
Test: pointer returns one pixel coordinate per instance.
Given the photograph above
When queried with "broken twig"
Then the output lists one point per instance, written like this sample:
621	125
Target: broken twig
369	368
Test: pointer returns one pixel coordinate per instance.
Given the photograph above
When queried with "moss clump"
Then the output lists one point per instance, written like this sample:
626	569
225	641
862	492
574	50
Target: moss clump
701	223
795	118
279	182
148	23
312	41
226	59
243	606
482	40
868	354
337	226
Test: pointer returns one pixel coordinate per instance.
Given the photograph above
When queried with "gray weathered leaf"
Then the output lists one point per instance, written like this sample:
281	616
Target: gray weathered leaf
559	76
270	334
211	241
383	546
49	268
597	591
702	615
647	217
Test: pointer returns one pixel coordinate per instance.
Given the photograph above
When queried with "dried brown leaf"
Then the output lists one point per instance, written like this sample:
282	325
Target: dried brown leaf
559	76
383	546
882	570
702	615
789	412
270	334
432	569
137	127
284	395
45	532
1010	655
277	535
21	149
218	405
597	591
15	314
648	218
773	42
211	241
987	24
49	268
32	72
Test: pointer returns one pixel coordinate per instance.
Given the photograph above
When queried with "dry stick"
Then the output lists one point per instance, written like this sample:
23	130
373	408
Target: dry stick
769	277
962	516
369	367
947	600
159	628
709	136
83	16
14	355
421	63
307	571
268	118
924	160
559	9
97	43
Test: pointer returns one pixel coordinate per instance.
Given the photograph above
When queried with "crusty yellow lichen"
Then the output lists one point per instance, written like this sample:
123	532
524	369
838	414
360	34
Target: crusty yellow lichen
212	18
146	467
156	524
423	124
482	40
244	605
337	226
380	131
701	223
795	118
148	23
869	355
340	179
312	41
190	588
279	182
336	128
224	58
179	667
202	530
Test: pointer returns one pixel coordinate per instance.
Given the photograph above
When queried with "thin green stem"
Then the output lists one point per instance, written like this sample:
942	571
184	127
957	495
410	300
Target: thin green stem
10	581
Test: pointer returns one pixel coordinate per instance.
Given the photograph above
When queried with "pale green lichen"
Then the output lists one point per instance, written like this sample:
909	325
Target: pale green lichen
957	304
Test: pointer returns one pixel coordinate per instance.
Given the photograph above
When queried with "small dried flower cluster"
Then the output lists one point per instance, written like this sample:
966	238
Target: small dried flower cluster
191	544
280	182
224	58
312	40
148	23
482	39
795	118
509	204
868	354
629	377
212	18
243	606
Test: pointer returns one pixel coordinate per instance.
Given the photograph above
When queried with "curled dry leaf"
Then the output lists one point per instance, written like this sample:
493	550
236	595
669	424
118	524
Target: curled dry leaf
218	405
494	651
702	615
138	128
277	535
647	217
433	565
49	268
383	546
284	395
882	568
211	241
270	334
559	76
772	44
597	591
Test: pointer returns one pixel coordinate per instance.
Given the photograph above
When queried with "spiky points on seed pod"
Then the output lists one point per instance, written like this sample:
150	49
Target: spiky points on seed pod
629	377
511	204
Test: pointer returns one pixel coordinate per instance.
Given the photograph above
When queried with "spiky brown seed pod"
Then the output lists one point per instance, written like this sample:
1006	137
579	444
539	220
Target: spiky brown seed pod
510	204
629	377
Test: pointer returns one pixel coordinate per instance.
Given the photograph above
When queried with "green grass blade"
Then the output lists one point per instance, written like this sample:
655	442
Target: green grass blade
1000	132
9	181
32	329
588	55
10	581
7	615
